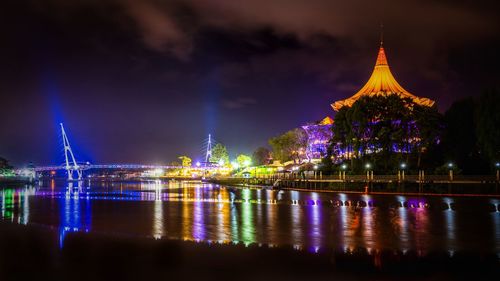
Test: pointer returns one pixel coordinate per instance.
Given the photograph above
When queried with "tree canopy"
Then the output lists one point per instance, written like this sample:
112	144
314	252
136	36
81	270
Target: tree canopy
290	145
219	154
244	160
386	130
261	156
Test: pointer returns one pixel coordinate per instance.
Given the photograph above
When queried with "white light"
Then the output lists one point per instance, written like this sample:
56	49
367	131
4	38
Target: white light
344	166
247	163
368	166
221	162
450	165
198	164
235	165
497	164
315	167
403	165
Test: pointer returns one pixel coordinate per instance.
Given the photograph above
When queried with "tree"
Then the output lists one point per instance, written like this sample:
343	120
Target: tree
459	143
186	161
488	125
384	129
430	125
261	156
290	145
244	160
219	154
5	168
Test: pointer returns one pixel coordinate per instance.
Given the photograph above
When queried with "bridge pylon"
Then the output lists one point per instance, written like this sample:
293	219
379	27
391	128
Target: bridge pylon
71	164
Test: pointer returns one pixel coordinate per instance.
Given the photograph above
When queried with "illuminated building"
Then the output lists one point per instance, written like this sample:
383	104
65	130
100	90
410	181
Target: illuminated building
319	135
381	83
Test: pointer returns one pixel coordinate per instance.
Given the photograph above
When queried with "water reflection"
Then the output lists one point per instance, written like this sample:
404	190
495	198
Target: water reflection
158	212
74	210
247	225
307	220
450	222
15	206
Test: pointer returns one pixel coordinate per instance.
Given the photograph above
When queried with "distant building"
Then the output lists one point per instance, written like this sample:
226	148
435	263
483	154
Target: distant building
319	135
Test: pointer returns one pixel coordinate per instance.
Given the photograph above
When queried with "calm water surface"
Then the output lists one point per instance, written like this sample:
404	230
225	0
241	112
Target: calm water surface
305	220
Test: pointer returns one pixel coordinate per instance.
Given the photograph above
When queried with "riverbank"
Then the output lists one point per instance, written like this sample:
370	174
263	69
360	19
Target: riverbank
393	187
33	252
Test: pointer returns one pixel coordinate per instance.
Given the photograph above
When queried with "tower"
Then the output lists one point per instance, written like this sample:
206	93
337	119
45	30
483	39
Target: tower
209	150
71	165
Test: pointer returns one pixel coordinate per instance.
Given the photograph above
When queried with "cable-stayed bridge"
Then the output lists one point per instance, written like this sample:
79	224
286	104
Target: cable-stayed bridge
88	166
75	169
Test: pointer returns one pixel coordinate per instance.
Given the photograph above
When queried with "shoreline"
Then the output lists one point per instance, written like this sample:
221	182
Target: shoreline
374	188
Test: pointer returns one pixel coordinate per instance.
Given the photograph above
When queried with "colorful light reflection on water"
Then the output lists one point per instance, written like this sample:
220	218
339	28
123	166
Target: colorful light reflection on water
309	221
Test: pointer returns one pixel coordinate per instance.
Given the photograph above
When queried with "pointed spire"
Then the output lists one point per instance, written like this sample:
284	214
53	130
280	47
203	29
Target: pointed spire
381	58
381	34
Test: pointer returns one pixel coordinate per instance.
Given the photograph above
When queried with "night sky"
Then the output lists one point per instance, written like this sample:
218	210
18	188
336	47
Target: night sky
145	81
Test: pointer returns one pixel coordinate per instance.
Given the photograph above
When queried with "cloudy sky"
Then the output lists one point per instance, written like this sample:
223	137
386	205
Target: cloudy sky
143	81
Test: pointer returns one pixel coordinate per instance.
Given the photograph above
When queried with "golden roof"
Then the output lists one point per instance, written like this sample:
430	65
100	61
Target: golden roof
381	82
326	121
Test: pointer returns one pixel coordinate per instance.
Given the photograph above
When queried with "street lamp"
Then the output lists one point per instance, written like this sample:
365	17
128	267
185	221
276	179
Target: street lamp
369	173
315	167
344	168
402	171
450	167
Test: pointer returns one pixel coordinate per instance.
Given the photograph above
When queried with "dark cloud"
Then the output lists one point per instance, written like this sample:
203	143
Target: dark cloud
145	81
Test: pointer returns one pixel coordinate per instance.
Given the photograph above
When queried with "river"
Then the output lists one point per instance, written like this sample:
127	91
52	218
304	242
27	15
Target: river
306	221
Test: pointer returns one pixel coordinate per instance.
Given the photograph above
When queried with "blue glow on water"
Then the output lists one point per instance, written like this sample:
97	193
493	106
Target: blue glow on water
75	212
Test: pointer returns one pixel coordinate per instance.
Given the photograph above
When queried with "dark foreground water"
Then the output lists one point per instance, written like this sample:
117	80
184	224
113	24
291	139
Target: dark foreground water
308	222
192	231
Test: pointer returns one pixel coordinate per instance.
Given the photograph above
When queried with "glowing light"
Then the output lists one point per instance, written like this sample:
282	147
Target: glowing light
198	164
315	167
381	82
221	162
247	163
344	166
403	165
235	165
368	165
450	165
